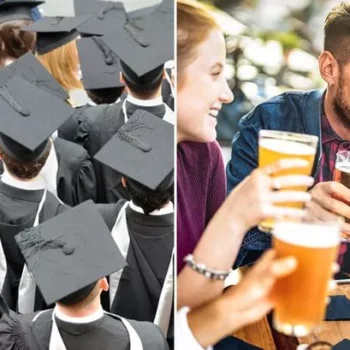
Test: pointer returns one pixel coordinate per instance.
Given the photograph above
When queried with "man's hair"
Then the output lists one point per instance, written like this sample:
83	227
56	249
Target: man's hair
25	170
337	33
105	96
140	87
15	43
147	199
82	298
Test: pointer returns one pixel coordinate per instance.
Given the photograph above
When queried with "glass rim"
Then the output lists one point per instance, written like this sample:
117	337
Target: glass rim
288	136
294	232
336	220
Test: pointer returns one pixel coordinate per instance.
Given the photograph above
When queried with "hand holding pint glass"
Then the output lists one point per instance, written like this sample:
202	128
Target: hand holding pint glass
342	175
300	298
277	145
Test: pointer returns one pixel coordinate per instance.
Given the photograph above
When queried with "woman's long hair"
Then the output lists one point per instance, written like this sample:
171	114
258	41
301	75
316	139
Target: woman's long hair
63	64
194	24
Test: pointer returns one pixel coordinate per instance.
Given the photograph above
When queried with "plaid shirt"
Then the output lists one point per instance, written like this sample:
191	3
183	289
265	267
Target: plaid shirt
331	144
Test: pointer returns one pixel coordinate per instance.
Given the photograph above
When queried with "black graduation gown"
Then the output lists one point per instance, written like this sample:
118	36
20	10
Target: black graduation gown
148	258
76	181
32	332
68	130
98	126
18	209
167	95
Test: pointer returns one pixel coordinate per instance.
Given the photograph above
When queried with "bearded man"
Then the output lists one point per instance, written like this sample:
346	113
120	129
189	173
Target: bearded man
325	114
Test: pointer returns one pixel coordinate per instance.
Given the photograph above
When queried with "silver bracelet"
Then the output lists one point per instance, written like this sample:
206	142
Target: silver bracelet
204	270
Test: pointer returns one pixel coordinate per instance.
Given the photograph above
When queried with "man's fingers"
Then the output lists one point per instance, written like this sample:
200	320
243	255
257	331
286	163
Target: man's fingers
316	211
331	204
337	189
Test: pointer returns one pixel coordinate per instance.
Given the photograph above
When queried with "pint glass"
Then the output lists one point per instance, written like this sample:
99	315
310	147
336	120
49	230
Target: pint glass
342	172
275	145
301	296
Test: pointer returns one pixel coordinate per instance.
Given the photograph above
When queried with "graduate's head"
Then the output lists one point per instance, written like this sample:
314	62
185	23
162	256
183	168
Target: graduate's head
334	61
105	96
202	87
150	200
63	65
145	157
69	257
144	87
15	43
21	162
29	116
85	297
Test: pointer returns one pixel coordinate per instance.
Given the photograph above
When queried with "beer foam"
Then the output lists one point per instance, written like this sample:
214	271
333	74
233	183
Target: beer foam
344	167
287	147
308	235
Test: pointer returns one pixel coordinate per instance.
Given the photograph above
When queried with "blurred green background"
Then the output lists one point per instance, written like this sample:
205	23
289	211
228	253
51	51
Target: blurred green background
272	46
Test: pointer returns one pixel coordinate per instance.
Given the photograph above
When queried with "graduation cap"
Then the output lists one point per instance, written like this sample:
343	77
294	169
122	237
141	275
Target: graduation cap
145	153
165	13
76	248
99	65
53	32
93	7
105	20
17	9
29	68
28	117
143	45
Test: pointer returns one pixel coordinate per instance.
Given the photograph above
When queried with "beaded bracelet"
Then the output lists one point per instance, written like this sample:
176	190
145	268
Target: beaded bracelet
204	270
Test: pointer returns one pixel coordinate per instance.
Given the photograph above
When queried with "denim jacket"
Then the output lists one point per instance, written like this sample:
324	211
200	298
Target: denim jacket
298	112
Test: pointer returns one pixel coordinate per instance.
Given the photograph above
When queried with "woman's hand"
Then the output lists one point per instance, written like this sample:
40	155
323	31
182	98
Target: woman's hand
255	198
251	299
240	305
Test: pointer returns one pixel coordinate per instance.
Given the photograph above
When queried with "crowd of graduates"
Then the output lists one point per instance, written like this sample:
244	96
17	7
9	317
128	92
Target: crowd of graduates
87	177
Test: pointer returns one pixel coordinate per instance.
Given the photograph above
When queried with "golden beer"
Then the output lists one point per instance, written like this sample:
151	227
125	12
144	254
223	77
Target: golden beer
342	175
301	297
276	145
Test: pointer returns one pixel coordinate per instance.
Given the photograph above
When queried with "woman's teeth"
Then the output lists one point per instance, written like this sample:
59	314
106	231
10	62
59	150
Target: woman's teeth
213	113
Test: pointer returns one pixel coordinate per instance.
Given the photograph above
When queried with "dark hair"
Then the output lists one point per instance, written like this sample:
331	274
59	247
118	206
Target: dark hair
105	96
14	42
25	170
337	33
81	297
141	87
147	199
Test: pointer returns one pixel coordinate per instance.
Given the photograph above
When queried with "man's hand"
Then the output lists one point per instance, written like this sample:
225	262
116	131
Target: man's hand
329	198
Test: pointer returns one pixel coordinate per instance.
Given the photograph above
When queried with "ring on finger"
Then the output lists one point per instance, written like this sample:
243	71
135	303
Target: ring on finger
268	170
276	185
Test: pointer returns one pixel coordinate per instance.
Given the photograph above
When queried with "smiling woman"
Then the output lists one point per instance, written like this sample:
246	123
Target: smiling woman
210	229
201	59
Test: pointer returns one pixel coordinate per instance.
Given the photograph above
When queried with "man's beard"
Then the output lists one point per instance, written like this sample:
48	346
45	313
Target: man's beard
341	108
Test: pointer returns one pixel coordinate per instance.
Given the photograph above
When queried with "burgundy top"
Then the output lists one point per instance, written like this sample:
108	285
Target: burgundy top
201	189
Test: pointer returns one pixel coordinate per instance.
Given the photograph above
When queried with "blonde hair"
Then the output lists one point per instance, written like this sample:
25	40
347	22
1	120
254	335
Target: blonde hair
63	64
194	23
337	32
